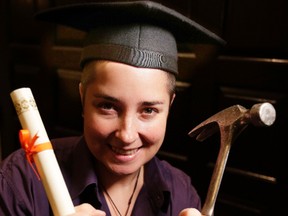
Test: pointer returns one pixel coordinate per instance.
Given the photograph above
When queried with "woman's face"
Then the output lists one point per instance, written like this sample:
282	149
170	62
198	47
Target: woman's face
125	111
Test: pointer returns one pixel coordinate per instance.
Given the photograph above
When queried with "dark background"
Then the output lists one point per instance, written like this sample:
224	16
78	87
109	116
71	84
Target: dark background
251	68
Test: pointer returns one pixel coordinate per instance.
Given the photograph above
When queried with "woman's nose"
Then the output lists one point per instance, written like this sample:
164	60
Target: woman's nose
127	130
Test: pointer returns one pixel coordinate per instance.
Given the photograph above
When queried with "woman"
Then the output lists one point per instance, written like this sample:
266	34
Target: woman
125	111
129	63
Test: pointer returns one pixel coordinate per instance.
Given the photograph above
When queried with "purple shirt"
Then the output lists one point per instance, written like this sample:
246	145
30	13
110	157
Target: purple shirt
166	190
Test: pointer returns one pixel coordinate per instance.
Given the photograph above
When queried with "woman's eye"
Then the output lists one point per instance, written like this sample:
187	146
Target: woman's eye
106	106
149	110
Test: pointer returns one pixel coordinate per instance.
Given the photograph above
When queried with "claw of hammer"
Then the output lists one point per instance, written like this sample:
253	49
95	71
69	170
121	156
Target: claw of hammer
231	122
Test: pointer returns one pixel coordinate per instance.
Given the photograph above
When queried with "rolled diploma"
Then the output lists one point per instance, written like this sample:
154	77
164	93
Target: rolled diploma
45	161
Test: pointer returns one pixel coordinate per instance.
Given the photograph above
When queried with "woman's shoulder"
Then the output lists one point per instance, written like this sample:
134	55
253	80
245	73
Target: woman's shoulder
65	148
15	159
168	174
167	169
65	142
177	182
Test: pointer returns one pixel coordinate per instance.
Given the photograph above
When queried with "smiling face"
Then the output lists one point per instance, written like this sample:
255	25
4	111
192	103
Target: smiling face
125	110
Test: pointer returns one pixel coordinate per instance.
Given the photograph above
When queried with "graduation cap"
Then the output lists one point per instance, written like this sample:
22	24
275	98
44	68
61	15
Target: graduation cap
138	33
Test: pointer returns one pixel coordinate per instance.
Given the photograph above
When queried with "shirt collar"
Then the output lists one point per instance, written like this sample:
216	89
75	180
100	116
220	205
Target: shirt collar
156	182
83	172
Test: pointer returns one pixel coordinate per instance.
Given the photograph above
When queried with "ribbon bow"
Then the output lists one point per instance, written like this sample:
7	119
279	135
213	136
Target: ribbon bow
30	148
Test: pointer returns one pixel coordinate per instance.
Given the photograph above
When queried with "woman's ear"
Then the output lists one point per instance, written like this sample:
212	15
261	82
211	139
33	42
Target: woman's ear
172	99
81	93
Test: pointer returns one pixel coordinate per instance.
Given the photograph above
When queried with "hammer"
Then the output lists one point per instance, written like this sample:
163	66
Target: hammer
231	122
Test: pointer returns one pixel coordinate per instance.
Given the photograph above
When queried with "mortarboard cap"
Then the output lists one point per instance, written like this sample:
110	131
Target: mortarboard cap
138	33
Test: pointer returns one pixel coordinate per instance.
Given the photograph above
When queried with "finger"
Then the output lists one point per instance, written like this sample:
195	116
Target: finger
88	209
190	212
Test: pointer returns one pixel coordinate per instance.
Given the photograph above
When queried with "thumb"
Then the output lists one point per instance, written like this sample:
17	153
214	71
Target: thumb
190	212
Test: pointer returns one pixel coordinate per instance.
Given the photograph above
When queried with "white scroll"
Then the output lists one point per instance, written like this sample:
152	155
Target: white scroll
45	161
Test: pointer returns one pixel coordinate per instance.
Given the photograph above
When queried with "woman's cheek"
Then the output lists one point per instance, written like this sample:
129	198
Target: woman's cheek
98	128
156	133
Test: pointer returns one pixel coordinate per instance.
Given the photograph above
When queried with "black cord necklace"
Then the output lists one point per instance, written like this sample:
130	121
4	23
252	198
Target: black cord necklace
130	199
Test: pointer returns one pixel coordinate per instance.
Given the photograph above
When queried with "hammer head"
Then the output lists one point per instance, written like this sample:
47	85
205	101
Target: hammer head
222	119
235	118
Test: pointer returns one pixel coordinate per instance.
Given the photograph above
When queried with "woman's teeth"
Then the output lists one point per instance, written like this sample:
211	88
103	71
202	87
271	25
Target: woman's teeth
124	152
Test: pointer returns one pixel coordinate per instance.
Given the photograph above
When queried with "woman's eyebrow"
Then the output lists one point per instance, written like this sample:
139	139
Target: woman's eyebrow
152	103
113	99
106	97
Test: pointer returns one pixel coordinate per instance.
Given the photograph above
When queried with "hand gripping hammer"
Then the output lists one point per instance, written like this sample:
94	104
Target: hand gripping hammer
231	122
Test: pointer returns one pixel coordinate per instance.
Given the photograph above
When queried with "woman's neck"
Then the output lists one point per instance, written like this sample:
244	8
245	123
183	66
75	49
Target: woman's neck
109	179
121	192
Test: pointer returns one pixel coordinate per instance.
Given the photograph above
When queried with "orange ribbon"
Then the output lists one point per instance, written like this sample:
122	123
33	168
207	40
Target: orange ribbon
30	148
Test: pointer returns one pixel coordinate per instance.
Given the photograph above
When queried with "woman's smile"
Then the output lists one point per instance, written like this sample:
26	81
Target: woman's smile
125	152
123	156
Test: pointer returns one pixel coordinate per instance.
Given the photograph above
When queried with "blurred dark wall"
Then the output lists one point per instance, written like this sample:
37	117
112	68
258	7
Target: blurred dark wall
251	68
